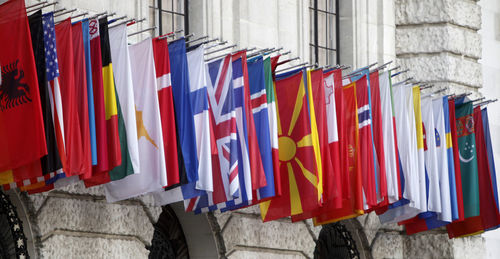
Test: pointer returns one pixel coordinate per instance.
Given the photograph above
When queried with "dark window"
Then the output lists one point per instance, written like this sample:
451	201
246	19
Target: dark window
324	32
170	15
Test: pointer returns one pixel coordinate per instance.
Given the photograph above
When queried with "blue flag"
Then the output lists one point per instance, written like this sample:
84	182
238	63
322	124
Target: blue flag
183	108
489	149
90	91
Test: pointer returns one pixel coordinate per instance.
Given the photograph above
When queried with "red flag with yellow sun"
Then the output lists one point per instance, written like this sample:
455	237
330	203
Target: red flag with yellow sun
301	186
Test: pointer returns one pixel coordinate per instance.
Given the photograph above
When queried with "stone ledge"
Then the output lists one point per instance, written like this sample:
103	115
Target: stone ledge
62	246
469	247
458	12
428	246
264	253
388	244
438	38
269	235
89	216
442	67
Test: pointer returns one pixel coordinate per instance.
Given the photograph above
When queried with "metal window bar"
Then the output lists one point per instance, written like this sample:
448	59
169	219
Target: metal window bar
174	13
315	45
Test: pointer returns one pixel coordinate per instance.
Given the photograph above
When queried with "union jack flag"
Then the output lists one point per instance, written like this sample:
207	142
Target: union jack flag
223	120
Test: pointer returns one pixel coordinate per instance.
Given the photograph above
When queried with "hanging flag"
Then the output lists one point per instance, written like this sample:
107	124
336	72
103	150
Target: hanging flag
260	106
389	141
90	89
352	202
449	156
432	178
378	137
99	109
409	206
80	77
199	100
183	108
112	117
343	145
273	124
442	158
22	142
487	217
330	193
125	101
199	103
456	159
468	159
420	147
258	176
223	122
153	175
365	143
335	178
73	138
489	150
244	171
167	113
51	162
299	175
52	72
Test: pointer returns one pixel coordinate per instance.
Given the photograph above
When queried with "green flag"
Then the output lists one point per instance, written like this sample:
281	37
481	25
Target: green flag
468	159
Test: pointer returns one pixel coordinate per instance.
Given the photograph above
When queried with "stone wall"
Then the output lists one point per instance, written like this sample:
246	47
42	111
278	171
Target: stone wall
439	41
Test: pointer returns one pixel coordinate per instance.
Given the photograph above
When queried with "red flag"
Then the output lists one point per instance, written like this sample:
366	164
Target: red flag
167	114
365	142
256	167
73	138
82	104
456	156
378	136
352	205
99	108
489	217
22	135
330	189
343	157
299	176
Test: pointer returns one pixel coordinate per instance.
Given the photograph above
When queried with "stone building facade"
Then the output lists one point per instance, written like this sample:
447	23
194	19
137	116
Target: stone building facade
440	41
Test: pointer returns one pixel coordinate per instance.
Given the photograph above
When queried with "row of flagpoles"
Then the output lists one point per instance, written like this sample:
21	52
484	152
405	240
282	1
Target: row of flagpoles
222	131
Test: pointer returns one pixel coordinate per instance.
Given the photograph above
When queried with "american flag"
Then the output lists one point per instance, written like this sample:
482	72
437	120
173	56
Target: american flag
223	114
53	84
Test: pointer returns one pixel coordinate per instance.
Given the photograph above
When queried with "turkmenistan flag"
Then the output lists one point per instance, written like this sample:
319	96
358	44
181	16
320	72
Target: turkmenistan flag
299	173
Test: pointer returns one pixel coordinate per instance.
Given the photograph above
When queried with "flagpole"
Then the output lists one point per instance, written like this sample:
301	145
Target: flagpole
35	5
141	31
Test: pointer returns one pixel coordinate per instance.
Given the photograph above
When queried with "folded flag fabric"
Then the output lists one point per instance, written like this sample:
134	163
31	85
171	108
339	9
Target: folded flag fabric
299	177
127	122
183	108
22	141
167	113
153	173
223	122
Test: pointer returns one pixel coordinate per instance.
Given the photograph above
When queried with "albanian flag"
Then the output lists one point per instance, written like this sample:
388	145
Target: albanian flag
22	135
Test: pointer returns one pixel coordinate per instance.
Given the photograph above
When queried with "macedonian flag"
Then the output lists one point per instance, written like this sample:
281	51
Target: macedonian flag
298	166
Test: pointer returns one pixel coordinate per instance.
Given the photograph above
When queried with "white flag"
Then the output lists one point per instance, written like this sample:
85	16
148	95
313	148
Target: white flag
407	147
153	176
442	157
391	162
124	88
199	100
430	155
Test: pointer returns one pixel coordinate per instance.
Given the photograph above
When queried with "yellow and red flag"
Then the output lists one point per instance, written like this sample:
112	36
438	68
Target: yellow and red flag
299	172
